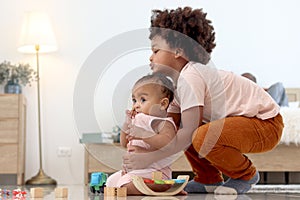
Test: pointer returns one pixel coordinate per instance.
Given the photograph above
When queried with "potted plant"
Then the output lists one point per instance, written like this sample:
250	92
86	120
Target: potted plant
13	75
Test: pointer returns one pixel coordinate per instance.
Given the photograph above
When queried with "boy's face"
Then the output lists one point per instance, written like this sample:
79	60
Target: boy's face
162	58
146	98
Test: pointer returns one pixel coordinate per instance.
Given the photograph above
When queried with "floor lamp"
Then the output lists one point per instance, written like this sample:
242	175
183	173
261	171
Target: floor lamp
37	37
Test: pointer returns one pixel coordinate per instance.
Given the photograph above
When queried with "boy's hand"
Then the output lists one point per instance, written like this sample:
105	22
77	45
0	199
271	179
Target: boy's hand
134	160
134	156
136	149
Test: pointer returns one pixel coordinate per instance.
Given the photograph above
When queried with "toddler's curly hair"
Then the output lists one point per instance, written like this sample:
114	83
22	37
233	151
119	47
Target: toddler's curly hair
178	26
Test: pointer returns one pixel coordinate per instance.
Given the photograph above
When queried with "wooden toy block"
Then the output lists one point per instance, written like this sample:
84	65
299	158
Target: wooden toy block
122	192
157	175
109	191
36	192
61	192
113	191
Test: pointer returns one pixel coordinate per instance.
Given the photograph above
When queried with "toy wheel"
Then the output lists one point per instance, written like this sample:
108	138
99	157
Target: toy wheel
92	189
102	189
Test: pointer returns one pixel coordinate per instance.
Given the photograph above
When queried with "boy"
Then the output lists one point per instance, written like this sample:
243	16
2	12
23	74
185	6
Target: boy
221	115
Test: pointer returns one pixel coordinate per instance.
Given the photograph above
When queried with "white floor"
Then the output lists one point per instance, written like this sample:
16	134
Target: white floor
81	192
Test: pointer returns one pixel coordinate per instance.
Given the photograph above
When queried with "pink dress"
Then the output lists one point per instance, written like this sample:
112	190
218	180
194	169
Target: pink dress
144	121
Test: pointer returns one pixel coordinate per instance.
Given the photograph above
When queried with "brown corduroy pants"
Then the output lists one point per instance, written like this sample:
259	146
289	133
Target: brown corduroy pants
219	146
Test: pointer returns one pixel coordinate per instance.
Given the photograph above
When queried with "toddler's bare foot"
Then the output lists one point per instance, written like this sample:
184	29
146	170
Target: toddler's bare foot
182	193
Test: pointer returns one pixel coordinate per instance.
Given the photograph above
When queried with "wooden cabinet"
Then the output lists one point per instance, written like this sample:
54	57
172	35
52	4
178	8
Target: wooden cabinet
12	135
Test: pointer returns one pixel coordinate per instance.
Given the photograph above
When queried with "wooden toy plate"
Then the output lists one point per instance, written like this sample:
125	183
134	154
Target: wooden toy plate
175	189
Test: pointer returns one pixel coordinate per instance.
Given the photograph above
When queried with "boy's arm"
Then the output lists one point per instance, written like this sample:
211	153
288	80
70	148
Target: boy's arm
176	118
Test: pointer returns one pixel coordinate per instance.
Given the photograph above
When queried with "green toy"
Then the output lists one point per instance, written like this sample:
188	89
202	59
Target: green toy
98	180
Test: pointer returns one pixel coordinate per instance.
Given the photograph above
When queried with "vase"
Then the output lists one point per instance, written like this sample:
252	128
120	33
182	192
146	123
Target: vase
13	87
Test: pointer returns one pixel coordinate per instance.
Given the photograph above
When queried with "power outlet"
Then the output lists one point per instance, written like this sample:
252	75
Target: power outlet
64	152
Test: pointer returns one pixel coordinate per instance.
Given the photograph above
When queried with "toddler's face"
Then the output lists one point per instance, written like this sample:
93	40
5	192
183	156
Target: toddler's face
146	98
162	58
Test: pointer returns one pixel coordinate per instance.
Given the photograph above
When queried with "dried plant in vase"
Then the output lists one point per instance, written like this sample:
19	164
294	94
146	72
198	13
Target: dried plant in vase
13	75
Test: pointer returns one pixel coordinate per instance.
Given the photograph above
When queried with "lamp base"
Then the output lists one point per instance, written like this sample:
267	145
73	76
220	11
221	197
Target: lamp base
41	179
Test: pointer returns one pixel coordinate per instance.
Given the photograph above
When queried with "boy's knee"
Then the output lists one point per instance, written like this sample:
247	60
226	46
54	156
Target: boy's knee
206	137
198	138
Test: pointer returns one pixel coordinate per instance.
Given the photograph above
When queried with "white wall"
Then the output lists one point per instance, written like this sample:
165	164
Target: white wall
257	36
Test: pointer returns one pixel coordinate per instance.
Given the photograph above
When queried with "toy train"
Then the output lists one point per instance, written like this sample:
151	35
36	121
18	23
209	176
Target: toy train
98	181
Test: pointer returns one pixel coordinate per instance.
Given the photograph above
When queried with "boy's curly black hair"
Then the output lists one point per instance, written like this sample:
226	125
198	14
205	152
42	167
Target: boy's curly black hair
179	25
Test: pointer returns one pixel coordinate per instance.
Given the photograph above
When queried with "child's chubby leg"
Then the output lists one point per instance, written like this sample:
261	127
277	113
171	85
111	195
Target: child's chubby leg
119	179
132	190
113	179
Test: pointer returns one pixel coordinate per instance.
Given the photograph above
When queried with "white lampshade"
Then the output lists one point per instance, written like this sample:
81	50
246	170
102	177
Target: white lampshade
37	30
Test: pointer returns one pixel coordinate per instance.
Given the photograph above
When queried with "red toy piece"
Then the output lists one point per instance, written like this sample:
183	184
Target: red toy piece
18	194
148	181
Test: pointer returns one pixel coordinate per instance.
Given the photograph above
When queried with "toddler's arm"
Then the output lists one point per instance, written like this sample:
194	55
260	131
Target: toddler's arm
165	134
